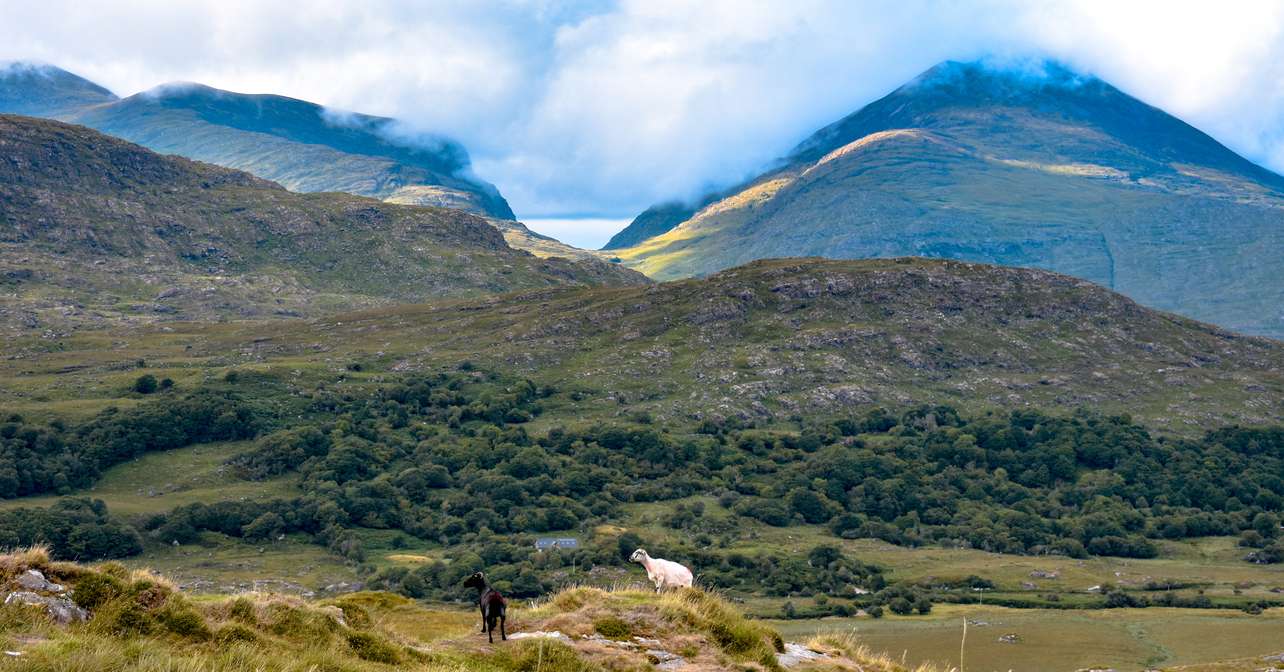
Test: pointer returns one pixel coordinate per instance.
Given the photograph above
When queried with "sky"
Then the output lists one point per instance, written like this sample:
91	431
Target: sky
584	113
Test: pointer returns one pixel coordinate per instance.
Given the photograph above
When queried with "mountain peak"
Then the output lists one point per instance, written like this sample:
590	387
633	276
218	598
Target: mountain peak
990	100
302	145
1026	164
1011	75
29	87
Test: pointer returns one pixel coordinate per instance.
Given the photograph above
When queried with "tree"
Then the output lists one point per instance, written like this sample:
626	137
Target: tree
96	541
265	526
145	384
810	506
1267	525
824	555
627	543
901	606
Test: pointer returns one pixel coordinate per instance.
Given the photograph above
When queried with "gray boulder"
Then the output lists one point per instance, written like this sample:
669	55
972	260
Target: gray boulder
59	608
34	580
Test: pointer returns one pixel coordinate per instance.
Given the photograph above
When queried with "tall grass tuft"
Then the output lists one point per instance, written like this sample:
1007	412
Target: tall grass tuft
847	644
734	634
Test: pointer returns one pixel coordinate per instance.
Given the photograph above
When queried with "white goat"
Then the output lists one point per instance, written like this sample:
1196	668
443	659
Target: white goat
663	573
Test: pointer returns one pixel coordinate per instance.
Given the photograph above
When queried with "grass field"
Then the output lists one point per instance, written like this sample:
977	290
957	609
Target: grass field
159	482
219	564
1212	564
1061	641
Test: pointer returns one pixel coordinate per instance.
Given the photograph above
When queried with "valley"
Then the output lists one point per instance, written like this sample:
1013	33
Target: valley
995	349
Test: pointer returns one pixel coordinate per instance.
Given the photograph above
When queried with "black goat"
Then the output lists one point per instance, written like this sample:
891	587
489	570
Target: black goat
493	606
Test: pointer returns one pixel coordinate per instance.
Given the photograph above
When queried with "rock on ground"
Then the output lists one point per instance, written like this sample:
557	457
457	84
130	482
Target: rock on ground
60	609
796	653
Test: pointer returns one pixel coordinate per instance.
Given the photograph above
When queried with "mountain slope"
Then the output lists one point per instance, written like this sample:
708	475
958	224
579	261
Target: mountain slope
1052	170
299	144
94	227
28	88
763	342
655	221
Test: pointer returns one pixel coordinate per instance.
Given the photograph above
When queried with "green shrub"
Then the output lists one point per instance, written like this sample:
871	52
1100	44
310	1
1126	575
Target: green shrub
546	656
734	638
612	627
150	595
145	384
901	606
296	623
373	648
115	570
235	632
123	618
184	622
94	590
356	615
242	610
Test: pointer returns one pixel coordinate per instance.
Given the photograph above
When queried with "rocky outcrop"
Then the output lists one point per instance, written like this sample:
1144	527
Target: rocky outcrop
37	591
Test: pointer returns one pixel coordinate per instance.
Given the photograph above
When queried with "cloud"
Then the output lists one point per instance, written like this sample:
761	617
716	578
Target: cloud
602	108
588	232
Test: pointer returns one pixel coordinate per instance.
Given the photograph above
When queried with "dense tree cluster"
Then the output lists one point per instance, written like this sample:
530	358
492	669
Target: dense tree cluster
73	528
447	459
52	458
1018	483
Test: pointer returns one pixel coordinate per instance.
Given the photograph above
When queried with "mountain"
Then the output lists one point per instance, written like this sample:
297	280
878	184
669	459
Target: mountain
776	338
1045	168
762	343
39	90
93	228
654	221
299	144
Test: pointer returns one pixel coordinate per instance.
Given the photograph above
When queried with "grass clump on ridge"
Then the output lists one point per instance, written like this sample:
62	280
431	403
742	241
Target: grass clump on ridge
139	621
674	617
613	627
736	635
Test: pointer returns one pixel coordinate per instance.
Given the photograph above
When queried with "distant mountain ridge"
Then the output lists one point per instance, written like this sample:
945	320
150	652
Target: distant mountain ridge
1048	169
94	229
299	144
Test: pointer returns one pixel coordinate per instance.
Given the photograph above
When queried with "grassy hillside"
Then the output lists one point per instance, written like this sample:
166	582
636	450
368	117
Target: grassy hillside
301	145
137	620
1057	171
761	343
94	229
